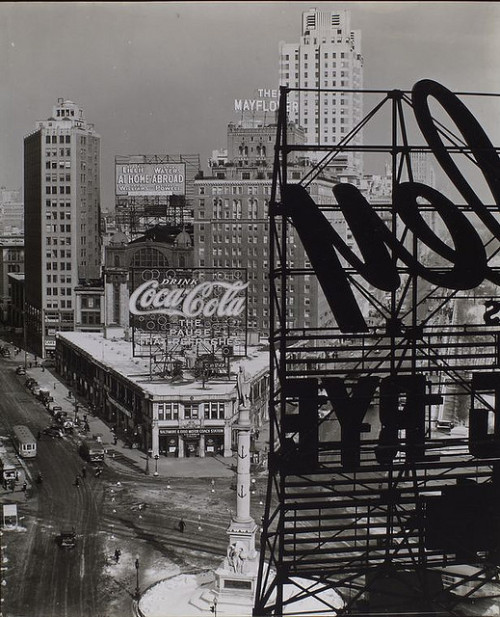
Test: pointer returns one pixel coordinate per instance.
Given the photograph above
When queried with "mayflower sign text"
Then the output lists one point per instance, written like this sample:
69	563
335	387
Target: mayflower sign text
206	299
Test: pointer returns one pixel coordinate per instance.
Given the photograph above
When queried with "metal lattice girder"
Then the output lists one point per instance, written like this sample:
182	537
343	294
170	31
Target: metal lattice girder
385	428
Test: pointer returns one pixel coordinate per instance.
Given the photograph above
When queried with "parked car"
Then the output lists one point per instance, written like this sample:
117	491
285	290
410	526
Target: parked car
53	431
45	396
29	382
5	351
66	539
20	370
54	408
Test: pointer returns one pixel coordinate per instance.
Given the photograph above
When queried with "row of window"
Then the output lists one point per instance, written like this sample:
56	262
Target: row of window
63	304
91	302
55	253
52	203
52	177
189	411
53	152
91	319
49	228
52	139
215	227
237	252
55	278
59	291
63	190
327	84
58	241
236	190
221	239
57	164
65	112
58	265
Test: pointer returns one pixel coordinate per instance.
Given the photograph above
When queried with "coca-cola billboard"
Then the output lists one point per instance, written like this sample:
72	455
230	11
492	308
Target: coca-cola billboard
188	312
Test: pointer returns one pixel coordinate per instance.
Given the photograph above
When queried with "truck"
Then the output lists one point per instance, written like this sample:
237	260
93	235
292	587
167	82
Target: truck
92	451
8	467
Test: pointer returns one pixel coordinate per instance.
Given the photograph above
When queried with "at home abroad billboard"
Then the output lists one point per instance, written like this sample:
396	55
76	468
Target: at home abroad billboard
150	179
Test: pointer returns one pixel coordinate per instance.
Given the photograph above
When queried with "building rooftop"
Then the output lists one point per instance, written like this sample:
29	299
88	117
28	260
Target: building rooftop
115	355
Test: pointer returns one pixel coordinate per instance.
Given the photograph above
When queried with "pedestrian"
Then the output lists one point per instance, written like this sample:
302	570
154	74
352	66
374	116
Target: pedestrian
115	440
24	487
117	555
182	525
87	426
39	435
84	472
30	364
77	480
55	385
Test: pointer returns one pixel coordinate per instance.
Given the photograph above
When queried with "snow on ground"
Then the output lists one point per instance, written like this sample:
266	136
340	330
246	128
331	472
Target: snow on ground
170	598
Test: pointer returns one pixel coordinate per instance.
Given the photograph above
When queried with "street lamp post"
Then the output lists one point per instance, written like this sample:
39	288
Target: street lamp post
149	455
137	590
156	465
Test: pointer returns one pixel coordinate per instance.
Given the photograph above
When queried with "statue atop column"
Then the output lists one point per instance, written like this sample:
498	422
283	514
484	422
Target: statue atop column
243	387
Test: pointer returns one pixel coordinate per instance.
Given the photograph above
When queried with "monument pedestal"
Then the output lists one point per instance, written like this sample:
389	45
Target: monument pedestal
233	592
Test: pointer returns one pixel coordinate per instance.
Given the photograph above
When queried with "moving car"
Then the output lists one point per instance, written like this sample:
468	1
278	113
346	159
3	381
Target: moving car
66	539
92	451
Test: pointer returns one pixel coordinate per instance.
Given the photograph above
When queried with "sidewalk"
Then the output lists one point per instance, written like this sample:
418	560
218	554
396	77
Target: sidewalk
132	459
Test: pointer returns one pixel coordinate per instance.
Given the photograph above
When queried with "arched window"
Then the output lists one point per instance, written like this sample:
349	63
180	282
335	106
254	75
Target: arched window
149	257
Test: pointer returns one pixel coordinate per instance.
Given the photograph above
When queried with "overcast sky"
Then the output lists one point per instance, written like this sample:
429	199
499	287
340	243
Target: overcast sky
162	77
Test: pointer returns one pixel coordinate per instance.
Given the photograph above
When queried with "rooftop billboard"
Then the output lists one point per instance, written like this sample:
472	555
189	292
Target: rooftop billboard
189	311
150	179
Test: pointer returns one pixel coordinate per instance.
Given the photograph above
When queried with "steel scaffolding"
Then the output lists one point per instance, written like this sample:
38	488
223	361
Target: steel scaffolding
384	444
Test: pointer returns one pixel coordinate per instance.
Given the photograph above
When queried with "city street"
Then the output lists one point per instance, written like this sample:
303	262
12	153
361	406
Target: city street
124	509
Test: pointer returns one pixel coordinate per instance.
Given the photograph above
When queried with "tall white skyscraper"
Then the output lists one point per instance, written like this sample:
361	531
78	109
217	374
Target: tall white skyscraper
62	220
327	58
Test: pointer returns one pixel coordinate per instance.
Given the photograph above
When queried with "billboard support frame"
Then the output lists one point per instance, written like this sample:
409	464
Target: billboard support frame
314	529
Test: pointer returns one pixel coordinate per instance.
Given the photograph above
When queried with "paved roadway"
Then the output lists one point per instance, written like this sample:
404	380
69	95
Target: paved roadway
45	581
49	580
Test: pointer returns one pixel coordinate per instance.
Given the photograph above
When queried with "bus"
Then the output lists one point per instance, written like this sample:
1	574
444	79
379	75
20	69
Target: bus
24	442
92	450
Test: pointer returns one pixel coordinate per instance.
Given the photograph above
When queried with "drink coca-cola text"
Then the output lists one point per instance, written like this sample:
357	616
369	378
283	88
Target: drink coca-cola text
151	297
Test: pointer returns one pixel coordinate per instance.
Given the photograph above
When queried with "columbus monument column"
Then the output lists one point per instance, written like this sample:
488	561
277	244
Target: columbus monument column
236	577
